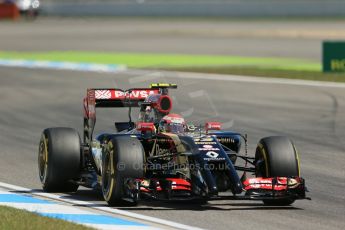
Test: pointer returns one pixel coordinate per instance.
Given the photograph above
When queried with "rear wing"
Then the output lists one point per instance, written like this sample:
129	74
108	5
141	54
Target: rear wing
118	97
110	97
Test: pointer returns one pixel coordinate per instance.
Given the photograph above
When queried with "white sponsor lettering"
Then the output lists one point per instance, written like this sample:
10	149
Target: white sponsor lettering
205	143
205	139
259	181
119	94
134	93
209	149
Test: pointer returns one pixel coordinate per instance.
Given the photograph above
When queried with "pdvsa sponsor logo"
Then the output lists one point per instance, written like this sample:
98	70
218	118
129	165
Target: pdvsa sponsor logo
119	94
134	94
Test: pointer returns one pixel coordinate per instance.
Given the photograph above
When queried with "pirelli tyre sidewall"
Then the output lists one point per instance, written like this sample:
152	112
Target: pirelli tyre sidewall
123	158
59	159
277	156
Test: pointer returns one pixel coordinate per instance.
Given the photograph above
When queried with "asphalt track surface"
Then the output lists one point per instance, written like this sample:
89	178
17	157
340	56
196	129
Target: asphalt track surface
313	117
31	100
268	38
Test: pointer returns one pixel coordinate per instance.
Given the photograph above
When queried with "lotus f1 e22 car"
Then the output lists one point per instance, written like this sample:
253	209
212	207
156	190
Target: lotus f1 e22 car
161	157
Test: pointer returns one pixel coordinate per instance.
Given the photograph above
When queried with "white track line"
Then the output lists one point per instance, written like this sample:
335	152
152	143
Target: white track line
141	75
126	227
262	80
46	208
104	209
69	213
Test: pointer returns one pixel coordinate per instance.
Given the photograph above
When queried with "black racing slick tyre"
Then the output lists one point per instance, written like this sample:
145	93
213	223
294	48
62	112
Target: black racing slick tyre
276	156
59	158
123	160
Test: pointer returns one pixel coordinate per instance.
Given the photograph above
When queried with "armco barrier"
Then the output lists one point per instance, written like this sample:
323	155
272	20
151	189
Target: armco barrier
196	8
9	11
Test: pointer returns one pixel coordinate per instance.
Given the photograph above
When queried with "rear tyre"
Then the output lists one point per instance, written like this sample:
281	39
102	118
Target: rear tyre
59	157
123	160
276	157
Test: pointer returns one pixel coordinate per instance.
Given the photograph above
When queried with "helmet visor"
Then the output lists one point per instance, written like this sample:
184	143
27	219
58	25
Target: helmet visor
175	128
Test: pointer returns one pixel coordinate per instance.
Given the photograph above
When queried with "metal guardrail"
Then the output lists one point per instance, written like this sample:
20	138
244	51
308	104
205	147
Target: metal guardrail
211	8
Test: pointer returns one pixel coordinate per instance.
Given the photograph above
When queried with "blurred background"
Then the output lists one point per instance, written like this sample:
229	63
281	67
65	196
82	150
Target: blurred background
237	34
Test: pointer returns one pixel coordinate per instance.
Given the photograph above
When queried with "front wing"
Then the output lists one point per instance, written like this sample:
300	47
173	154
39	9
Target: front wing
254	189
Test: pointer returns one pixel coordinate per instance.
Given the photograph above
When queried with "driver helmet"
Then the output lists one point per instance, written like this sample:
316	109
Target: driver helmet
172	123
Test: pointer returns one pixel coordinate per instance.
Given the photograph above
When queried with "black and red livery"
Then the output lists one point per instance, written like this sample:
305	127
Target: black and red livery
139	161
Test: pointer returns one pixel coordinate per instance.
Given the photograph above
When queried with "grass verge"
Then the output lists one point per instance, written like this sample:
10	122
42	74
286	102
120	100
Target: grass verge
11	218
251	66
140	60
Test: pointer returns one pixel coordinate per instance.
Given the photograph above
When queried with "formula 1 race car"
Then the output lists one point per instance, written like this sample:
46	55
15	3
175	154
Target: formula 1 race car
162	157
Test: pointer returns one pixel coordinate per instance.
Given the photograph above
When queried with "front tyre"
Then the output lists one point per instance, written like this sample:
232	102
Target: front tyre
276	157
59	157
123	162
